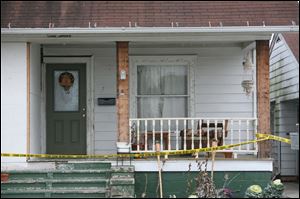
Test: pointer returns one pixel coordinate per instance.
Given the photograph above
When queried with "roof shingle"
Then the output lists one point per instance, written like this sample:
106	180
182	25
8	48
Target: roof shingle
292	40
38	14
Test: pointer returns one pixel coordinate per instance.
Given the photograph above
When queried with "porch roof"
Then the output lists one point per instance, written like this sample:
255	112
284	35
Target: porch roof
173	34
42	14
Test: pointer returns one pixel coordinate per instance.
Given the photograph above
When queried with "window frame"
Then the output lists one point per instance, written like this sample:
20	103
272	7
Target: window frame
183	60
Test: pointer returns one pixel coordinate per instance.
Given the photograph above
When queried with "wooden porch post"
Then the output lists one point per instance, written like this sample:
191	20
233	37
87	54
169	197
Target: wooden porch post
263	95
122	92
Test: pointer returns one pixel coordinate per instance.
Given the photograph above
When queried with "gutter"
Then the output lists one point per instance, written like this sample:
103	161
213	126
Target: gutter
147	30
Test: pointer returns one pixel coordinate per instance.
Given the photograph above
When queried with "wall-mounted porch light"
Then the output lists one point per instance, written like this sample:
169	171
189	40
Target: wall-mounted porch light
247	83
248	86
122	75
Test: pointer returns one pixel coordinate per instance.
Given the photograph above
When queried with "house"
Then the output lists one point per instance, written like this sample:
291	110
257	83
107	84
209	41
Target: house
77	77
284	91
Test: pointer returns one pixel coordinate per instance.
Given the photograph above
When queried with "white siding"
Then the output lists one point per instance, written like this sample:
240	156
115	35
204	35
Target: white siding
105	119
285	122
284	73
284	91
35	99
218	76
13	100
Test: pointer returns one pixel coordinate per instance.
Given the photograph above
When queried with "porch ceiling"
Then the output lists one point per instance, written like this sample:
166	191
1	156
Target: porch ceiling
142	34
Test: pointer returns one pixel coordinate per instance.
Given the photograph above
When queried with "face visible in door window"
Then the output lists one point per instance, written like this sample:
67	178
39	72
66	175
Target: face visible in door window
66	80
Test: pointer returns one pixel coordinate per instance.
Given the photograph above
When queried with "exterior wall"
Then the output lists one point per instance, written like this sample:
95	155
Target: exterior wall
218	76
285	119
35	99
13	99
218	90
284	91
284	73
105	120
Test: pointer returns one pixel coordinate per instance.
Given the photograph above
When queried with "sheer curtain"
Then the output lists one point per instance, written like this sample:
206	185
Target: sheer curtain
162	91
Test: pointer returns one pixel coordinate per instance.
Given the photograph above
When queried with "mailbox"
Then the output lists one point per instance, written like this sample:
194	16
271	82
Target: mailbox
106	101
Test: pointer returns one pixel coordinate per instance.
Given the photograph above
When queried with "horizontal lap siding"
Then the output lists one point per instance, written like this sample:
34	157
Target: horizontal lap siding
284	91
35	100
284	72
13	100
218	91
222	95
105	121
105	116
218	76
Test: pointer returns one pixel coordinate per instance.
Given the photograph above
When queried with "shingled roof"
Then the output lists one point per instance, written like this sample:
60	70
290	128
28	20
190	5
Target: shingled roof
292	40
39	14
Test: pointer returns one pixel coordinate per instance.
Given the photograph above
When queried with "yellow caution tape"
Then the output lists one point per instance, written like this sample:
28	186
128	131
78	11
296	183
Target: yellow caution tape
273	137
260	137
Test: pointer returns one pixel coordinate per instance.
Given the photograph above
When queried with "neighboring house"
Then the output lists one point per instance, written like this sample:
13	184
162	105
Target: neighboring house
77	77
284	92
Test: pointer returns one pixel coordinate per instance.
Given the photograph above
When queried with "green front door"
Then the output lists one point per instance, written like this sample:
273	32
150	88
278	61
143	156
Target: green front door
66	108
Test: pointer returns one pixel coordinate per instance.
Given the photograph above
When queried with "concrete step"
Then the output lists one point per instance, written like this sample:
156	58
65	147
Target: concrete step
122	182
57	174
70	180
57	192
83	166
53	183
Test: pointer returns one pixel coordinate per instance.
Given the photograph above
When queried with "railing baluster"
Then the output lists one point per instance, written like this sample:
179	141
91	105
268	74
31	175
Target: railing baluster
208	134
200	133
130	132
255	131
247	124
240	147
176	134
192	126
138	135
169	135
184	124
216	129
146	135
161	135
153	135
231	132
247	127
223	132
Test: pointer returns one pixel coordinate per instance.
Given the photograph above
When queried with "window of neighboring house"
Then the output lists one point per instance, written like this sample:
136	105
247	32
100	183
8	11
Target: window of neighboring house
162	91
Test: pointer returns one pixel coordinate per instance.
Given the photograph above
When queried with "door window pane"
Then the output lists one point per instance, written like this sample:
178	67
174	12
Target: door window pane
66	93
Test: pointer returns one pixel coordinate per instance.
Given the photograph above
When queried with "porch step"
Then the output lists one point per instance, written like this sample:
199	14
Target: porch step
83	166
55	193
57	174
56	183
122	182
66	180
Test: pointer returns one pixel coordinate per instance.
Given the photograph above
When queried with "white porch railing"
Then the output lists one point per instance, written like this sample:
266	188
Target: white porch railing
191	133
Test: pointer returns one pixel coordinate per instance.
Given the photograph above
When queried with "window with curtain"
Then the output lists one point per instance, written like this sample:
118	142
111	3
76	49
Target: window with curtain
162	91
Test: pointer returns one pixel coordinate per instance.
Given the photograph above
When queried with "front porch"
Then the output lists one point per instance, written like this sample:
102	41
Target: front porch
180	93
175	134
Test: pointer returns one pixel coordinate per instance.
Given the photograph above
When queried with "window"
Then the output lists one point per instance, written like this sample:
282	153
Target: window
162	91
162	86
